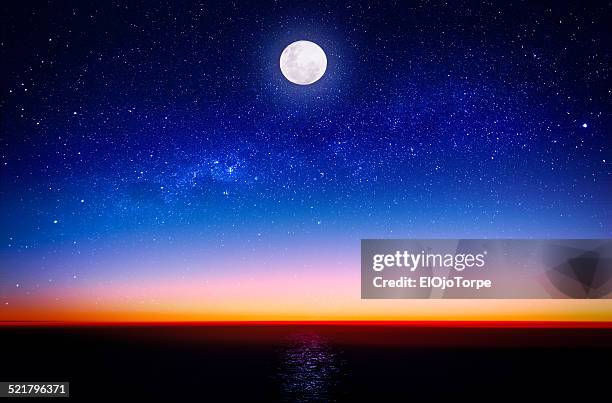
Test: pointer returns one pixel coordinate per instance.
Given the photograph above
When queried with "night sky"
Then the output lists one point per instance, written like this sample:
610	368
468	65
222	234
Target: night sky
154	152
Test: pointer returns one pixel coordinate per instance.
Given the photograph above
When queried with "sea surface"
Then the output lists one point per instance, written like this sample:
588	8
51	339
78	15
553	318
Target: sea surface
311	363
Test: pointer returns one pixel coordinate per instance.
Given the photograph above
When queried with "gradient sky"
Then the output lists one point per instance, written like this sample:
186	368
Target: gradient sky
157	165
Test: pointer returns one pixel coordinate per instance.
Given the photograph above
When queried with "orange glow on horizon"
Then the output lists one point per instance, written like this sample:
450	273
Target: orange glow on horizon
283	296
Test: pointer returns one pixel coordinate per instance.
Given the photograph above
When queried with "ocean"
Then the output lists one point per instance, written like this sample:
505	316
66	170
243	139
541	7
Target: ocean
310	363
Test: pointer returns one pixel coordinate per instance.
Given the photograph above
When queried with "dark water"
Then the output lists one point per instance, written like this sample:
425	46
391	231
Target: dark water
311	363
310	368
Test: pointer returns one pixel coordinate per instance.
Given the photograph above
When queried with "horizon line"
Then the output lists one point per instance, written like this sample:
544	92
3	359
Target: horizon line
404	323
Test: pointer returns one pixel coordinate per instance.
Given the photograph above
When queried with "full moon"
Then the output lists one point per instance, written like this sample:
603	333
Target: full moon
303	62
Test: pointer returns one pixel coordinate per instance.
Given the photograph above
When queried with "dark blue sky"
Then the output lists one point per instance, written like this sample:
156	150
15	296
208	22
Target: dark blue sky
134	124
